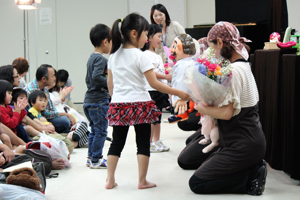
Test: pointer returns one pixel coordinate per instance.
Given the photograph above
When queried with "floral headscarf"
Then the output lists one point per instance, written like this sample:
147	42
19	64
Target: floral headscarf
229	33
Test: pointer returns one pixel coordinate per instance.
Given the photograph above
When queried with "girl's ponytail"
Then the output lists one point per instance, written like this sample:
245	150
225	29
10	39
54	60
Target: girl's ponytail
116	36
121	34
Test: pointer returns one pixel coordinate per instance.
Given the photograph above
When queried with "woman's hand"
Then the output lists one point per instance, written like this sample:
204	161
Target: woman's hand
200	107
49	128
180	106
71	118
2	159
8	153
65	91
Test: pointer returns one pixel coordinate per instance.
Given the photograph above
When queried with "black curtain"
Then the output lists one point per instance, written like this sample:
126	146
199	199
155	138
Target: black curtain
279	16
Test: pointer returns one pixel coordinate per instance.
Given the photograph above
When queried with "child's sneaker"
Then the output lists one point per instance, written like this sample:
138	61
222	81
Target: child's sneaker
88	162
154	148
162	146
101	164
174	119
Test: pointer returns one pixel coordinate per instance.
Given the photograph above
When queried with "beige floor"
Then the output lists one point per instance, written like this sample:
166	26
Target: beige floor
80	182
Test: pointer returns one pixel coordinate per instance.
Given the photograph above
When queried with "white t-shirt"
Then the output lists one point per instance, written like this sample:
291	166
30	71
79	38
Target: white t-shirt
128	67
158	67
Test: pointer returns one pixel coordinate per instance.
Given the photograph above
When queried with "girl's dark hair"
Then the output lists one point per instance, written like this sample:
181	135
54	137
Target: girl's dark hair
17	92
5	86
7	73
21	65
227	49
98	33
153	29
162	9
34	95
61	76
131	22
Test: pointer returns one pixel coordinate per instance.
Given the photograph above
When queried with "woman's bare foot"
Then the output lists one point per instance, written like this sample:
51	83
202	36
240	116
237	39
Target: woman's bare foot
146	185
110	185
58	163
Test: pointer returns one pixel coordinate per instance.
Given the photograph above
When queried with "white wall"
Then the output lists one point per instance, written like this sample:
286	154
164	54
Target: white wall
294	14
67	37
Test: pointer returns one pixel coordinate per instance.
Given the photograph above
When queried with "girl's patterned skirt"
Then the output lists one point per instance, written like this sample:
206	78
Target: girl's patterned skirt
132	113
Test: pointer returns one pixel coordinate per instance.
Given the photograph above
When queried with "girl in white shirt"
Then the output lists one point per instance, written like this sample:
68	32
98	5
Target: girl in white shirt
130	101
161	99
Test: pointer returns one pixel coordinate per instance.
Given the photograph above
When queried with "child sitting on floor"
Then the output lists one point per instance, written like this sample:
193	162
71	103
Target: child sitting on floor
38	102
19	94
12	118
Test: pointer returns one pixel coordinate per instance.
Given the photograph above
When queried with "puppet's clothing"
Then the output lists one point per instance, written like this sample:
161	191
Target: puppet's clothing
242	140
11	119
179	70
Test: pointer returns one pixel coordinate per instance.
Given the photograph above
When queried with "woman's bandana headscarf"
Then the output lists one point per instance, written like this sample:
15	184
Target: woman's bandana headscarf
229	33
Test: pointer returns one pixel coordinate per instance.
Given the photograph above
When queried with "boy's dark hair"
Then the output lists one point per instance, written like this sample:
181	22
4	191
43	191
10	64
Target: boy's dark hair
42	71
5	86
98	33
153	29
131	22
7	73
34	95
21	65
162	9
17	92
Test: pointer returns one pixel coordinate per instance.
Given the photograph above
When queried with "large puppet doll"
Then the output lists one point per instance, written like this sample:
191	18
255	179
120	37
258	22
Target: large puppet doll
183	48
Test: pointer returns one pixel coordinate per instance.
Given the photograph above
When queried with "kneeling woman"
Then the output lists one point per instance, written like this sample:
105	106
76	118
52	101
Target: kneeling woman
238	166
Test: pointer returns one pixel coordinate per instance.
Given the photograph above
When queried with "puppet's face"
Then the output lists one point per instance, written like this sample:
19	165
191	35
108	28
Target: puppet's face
177	49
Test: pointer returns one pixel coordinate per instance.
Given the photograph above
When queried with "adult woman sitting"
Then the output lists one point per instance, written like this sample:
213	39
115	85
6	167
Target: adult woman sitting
238	166
170	29
22	66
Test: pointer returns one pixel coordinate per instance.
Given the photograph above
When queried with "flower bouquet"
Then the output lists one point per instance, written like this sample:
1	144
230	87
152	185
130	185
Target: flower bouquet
209	81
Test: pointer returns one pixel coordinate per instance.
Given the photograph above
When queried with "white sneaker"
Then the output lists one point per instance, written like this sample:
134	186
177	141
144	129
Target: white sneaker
101	164
162	146
154	148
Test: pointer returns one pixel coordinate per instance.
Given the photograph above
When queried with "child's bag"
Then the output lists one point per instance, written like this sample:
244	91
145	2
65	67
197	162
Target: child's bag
41	156
57	150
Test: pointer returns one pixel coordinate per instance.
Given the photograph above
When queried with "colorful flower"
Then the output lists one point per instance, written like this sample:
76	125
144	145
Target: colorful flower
212	67
201	68
172	57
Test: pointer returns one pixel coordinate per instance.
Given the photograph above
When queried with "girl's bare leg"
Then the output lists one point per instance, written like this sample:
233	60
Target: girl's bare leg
15	140
156	132
6	140
143	163
31	131
112	162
